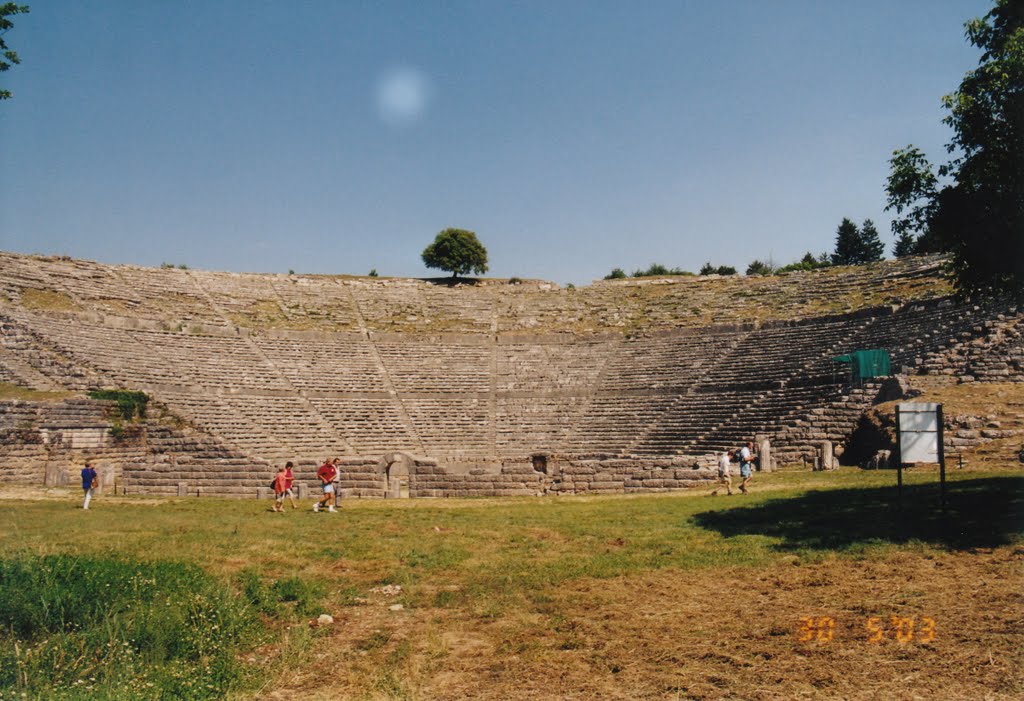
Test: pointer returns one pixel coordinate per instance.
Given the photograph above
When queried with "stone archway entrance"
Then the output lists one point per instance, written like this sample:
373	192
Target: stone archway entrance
396	468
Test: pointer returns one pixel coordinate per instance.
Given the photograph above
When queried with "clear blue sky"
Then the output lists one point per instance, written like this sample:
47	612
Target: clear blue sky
573	137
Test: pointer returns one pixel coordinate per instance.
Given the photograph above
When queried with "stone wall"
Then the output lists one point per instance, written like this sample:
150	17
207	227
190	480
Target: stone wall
48	443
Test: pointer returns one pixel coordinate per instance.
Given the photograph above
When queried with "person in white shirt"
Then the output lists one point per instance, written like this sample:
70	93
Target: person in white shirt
724	467
746	465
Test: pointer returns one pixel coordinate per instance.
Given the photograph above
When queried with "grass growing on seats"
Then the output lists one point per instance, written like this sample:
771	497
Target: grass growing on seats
11	391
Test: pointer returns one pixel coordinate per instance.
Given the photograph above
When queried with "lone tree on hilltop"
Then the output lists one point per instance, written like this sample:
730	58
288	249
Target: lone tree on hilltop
7	56
457	251
979	216
855	246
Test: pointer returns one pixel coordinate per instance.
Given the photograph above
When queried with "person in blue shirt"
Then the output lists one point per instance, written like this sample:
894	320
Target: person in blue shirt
89	479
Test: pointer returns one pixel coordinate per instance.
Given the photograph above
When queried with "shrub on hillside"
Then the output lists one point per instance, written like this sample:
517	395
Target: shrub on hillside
708	269
808	262
657	269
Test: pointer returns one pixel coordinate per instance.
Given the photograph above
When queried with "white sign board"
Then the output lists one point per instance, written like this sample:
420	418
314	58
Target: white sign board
919	432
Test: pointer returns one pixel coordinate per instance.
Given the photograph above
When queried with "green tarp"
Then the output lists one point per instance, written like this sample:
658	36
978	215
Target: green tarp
865	364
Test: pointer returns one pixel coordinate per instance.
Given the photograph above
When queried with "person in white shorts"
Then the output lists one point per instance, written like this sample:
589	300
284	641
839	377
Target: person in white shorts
724	469
746	465
326	475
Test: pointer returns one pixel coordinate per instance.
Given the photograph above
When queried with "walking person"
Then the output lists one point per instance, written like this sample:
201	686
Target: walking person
280	488
89	480
326	475
747	458
289	480
724	470
337	482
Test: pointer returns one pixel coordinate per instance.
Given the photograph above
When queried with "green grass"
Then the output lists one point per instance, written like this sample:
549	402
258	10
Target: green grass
95	627
485	559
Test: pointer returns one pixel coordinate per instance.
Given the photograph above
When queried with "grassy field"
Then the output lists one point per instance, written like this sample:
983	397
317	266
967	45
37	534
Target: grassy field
814	586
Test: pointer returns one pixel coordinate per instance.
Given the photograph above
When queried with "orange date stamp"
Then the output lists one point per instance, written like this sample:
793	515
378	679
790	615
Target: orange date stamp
876	629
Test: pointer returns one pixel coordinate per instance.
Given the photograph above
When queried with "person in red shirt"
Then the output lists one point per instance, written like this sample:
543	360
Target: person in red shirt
326	475
289	480
280	482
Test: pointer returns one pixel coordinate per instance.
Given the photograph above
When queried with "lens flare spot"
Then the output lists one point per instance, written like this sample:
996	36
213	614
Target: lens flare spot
402	95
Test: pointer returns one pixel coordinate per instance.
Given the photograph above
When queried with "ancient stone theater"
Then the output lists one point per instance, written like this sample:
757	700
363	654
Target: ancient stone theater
427	388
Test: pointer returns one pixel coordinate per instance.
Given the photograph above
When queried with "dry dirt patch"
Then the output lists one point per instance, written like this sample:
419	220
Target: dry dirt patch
704	634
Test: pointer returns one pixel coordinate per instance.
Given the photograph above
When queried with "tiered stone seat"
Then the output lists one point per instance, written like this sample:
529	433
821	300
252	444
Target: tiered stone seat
236	292
323	302
763	415
25	362
611	423
539	368
438	366
416	306
668	362
768	355
168	295
452	427
292	423
71	357
534	424
341	364
474	312
686	419
371	425
213	361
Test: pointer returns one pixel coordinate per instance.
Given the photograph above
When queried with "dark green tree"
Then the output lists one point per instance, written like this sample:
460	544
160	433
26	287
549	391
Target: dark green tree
979	216
871	245
759	267
708	269
910	190
848	244
7	56
615	274
457	251
856	246
905	245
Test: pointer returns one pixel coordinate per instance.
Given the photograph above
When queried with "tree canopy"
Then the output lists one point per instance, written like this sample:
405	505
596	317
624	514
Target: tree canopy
458	251
979	216
7	56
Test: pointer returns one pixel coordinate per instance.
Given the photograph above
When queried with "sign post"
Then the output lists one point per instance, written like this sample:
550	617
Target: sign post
919	436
